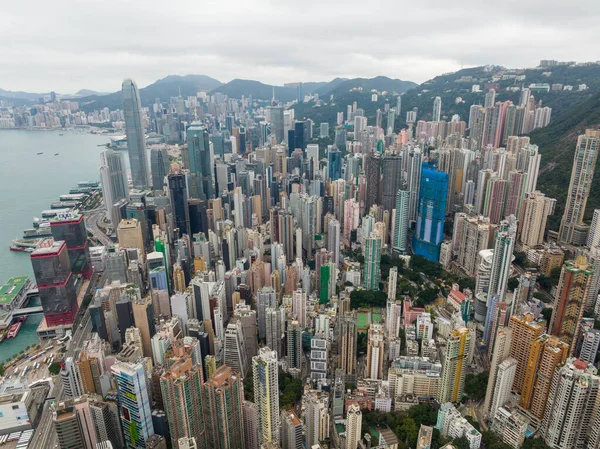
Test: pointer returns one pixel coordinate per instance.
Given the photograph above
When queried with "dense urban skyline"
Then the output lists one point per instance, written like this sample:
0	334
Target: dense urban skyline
97	46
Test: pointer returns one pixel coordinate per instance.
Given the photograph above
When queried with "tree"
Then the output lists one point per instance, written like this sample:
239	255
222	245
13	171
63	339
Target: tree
547	314
367	298
475	385
535	443
54	368
512	283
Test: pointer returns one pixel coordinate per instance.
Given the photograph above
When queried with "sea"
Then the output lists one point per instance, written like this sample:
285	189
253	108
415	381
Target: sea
29	184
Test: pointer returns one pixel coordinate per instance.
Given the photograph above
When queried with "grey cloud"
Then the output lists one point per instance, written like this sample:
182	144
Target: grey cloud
66	45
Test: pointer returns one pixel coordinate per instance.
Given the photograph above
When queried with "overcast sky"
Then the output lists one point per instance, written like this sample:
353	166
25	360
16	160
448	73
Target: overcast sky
67	45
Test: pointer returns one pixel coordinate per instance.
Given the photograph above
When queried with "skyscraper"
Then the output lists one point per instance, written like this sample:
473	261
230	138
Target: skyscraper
503	257
347	335
570	301
429	232
224	395
437	109
373	179
113	175
569	417
277	128
132	391
136	139
316	416
536	208
391	180
524	331
333	240
353	426
201	163
500	354
454	369
235	348
372	271
181	387
70	228
294	346
179	202
505	377
291	427
159	166
74	424
334	163
375	352
401	222
266	395
584	165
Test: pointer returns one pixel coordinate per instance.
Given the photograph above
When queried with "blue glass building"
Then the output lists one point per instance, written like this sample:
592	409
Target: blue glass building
334	162
429	232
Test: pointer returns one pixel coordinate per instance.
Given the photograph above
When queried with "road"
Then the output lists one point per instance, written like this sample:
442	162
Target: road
91	224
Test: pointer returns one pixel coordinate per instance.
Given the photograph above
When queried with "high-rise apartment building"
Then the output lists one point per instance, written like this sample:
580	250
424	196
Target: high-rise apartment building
235	348
291	429
136	138
584	165
501	353
294	346
455	365
347	335
569	420
266	395
505	377
224	397
532	225
401	220
353	426
181	387
570	301
375	352
437	109
524	331
545	355
316	416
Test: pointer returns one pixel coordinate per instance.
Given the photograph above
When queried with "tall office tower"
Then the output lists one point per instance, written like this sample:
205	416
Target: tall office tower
181	387
294	346
545	355
347	335
69	375
274	330
476	120
179	202
584	164
129	235
334	163
391	181
201	163
70	228
570	301
372	271
524	331
375	352
429	232
143	315
224	396
353	426
135	412
413	157
266	395
454	369
159	167
73	424
136	139
391	119
333	240
490	98
316	416
470	236
503	257
105	415
500	354
401	220
373	179
235	348
266	297
569	418
536	208
437	109
291	428
277	127
113	174
56	283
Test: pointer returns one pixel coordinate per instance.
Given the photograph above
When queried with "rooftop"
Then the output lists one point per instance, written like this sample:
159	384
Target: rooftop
12	288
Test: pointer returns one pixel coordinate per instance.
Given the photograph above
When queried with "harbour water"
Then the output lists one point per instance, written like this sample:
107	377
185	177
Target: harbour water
29	183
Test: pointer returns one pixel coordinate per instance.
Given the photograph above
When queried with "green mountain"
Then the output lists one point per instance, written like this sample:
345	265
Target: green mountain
259	91
557	146
379	83
164	88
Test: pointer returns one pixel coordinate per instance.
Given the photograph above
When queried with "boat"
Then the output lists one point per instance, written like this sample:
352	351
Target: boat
40	153
21	249
14	329
42	231
61	134
27	243
56	154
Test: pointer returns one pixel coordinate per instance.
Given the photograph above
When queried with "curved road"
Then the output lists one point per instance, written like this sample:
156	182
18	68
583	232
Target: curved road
91	224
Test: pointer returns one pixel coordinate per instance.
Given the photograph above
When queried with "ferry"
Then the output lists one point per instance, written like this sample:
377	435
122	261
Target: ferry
21	249
14	329
40	153
26	245
40	231
55	154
